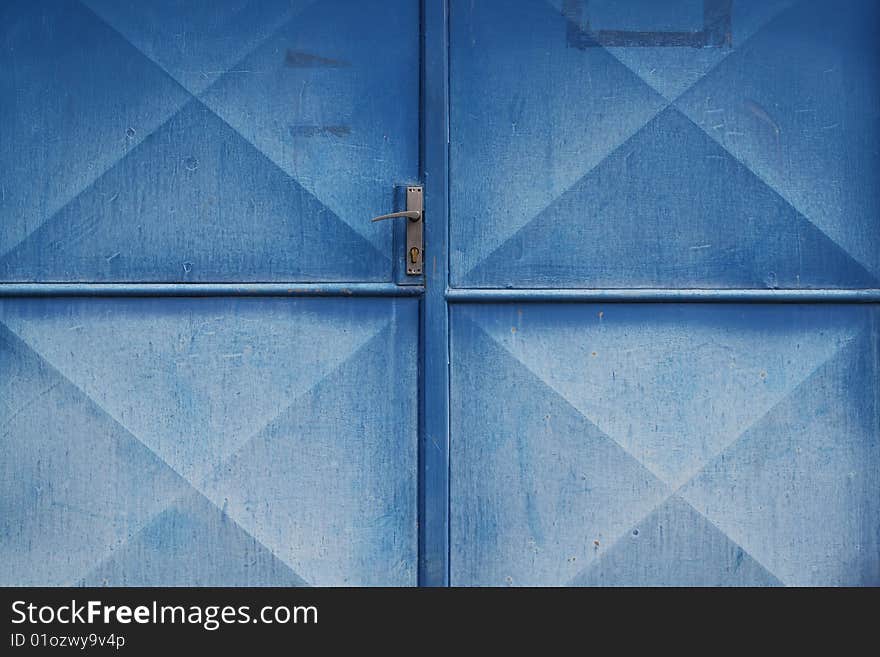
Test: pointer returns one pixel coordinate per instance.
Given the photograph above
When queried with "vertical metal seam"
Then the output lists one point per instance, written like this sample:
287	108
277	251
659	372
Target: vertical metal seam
434	465
447	70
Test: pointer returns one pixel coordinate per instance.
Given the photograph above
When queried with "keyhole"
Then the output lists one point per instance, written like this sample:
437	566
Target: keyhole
414	255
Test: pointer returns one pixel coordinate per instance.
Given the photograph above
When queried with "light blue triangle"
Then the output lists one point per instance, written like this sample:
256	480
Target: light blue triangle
194	379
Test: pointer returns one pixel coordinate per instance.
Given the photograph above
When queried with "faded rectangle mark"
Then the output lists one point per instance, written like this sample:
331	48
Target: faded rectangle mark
716	32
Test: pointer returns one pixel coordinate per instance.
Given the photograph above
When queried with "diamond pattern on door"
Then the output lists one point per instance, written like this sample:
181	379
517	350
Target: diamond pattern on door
214	183
588	177
106	98
533	482
514	99
342	104
675	545
802	110
670	71
193	542
204	141
66	475
752	427
808	470
208	441
765	242
197	41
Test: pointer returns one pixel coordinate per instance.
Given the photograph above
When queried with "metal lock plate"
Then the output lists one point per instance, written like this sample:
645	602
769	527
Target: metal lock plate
415	216
414	231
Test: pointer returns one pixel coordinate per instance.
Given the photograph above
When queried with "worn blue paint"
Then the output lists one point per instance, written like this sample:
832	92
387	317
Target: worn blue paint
208	441
204	141
665	444
160	161
586	414
748	166
664	265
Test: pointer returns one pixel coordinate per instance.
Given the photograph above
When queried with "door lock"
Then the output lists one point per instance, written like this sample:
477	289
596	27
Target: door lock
415	213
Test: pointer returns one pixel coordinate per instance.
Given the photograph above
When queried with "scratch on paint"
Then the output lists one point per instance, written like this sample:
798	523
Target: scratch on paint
315	130
82	511
8	420
763	115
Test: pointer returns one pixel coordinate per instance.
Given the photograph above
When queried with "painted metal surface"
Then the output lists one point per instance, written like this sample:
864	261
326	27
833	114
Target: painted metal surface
578	159
208	441
749	163
574	295
160	161
664	261
631	444
13	290
204	141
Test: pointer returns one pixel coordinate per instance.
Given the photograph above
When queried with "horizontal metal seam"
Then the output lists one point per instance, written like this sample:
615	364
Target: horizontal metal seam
654	295
8	290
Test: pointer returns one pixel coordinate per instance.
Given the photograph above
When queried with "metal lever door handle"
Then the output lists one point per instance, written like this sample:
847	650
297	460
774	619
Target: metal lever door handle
412	215
415	212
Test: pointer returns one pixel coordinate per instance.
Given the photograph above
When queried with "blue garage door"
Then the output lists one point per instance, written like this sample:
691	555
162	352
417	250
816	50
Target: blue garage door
645	350
164	148
690	154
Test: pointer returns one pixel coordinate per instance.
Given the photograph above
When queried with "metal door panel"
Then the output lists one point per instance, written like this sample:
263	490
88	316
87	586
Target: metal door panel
208	441
677	444
571	151
749	162
206	141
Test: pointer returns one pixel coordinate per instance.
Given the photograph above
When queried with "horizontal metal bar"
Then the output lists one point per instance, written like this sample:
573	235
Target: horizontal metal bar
485	295
208	290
